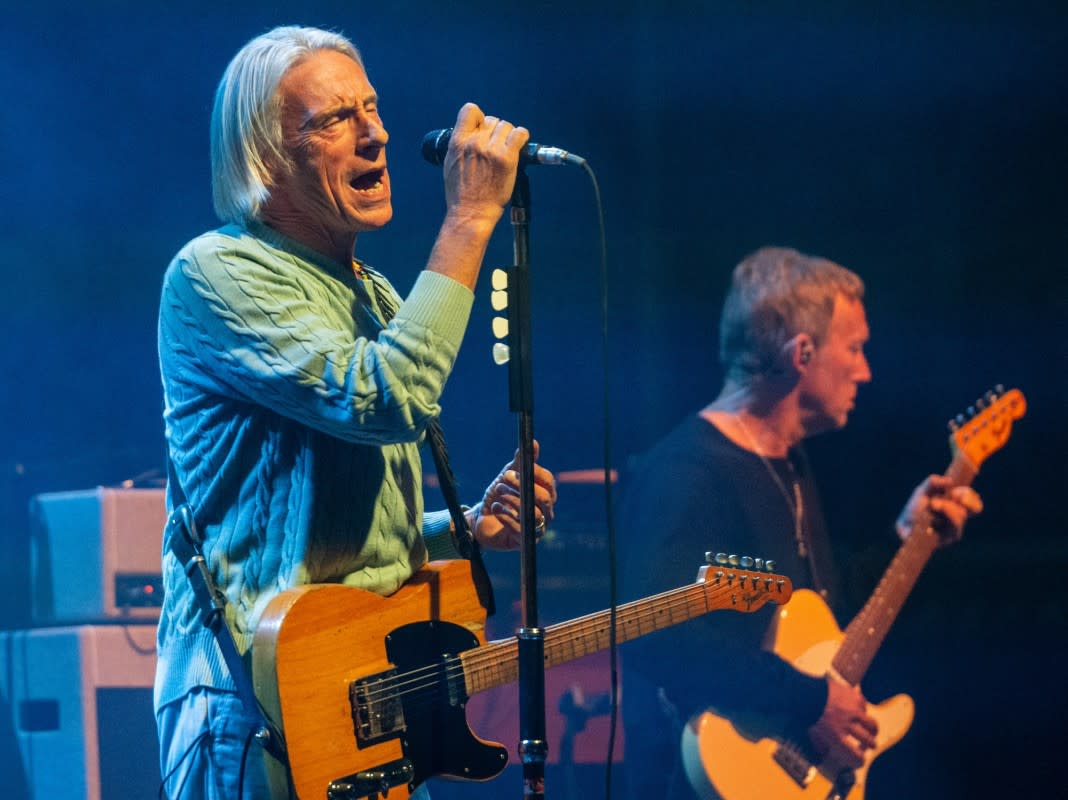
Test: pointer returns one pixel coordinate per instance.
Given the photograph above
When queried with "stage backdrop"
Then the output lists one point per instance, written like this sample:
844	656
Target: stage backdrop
921	144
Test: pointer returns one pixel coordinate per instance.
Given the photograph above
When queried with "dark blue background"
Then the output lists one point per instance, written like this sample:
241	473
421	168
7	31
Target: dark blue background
923	144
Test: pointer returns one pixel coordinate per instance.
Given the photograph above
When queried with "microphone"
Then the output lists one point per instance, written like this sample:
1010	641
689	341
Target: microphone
436	145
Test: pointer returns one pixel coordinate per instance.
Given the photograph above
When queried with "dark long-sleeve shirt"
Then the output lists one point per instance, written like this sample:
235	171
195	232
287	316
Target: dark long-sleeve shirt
697	491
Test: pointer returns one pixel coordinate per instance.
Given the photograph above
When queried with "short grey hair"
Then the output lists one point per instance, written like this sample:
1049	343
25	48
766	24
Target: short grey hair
246	128
775	294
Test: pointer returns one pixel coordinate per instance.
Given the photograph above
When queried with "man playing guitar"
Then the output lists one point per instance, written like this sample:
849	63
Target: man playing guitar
734	476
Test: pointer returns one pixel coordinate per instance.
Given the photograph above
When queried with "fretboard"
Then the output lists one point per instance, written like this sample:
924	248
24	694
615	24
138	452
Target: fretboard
865	634
496	664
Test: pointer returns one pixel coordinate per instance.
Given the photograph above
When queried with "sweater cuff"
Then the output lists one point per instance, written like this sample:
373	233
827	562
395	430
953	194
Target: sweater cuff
437	534
439	303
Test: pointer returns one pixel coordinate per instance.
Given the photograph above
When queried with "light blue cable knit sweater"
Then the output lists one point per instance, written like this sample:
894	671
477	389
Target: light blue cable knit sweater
293	420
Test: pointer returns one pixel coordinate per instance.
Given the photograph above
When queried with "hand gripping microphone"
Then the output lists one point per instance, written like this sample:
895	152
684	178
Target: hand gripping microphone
436	145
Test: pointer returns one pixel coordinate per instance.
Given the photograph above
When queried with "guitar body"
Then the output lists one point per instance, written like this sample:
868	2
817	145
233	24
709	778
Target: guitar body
315	645
371	691
735	758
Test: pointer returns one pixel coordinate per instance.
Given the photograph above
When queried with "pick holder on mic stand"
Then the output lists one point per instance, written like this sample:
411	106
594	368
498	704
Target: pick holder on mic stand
533	747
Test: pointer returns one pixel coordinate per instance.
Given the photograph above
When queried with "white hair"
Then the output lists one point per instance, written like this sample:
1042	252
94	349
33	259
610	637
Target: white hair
246	128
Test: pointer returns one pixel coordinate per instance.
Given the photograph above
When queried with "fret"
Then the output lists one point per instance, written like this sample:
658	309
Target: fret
496	663
865	634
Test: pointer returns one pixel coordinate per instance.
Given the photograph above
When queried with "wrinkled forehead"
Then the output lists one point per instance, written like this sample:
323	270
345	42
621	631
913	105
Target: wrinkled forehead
322	79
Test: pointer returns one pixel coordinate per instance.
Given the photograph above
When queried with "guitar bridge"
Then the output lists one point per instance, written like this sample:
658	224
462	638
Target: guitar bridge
372	782
788	756
377	713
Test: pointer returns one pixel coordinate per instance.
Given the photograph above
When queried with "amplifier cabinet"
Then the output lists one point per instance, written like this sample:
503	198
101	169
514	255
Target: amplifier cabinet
76	719
95	555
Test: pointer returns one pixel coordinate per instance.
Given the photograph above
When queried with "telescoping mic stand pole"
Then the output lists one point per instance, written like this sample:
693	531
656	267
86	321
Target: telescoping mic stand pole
531	638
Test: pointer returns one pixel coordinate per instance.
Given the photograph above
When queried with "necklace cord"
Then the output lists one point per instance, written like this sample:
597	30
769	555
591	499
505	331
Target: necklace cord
796	503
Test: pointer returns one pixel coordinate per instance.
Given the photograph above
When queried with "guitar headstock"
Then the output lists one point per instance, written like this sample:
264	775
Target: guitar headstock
741	583
985	427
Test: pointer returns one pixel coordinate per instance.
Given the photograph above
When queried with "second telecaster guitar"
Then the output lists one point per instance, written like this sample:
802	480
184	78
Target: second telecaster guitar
370	691
754	758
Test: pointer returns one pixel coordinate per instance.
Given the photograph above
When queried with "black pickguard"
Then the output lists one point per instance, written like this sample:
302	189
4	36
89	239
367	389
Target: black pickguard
437	739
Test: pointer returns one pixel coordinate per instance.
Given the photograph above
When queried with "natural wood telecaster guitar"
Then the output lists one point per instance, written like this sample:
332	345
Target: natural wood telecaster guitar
370	691
754	758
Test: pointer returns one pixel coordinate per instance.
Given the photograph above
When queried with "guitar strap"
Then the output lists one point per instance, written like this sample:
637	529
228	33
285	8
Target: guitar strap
184	541
463	541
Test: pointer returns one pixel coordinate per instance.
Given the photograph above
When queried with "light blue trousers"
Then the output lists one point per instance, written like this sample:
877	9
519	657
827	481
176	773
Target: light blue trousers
206	752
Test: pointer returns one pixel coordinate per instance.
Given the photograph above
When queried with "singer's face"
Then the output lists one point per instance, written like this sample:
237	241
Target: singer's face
335	138
837	368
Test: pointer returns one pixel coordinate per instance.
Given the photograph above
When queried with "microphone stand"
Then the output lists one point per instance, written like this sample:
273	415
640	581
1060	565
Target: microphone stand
531	638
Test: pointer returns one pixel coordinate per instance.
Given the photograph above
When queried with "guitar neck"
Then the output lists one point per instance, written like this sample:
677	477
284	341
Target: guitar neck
497	663
865	634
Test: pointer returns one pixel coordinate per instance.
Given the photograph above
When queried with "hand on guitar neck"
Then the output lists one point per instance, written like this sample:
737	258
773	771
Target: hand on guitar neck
753	757
845	730
941	505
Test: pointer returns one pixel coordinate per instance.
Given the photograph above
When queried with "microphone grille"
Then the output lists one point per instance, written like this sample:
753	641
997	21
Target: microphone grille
436	145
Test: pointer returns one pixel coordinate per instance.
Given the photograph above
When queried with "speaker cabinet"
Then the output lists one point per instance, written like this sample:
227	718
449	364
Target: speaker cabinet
96	555
76	719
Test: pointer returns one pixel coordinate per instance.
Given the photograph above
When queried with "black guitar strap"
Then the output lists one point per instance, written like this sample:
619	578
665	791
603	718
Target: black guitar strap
463	541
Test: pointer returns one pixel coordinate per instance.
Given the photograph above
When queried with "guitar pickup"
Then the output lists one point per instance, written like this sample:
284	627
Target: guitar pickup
377	712
794	763
370	783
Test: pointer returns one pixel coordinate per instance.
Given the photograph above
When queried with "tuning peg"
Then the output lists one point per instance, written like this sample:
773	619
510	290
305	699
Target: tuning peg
733	560
769	565
715	558
980	403
971	411
1000	389
758	563
990	396
745	562
960	420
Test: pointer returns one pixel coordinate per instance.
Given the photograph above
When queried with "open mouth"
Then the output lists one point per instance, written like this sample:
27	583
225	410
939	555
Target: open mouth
368	181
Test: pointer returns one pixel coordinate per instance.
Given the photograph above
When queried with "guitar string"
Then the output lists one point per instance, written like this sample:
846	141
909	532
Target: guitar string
678	597
856	648
408	683
686	596
411	683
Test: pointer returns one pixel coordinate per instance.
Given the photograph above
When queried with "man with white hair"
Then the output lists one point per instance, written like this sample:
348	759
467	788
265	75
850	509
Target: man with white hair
298	384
